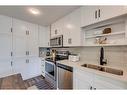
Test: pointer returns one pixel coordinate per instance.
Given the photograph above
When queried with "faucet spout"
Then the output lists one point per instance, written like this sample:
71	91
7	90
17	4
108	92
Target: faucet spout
102	60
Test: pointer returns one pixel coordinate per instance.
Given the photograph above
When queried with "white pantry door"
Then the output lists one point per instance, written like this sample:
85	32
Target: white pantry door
5	46
33	40
19	45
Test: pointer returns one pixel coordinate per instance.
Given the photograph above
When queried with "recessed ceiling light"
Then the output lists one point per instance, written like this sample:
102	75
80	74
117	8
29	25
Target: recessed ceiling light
34	11
69	26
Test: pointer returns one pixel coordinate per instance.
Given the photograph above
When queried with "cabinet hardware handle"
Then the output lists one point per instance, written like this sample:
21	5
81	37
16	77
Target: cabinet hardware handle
95	14
11	63
11	53
11	29
26	52
69	41
91	87
56	31
94	88
99	15
26	32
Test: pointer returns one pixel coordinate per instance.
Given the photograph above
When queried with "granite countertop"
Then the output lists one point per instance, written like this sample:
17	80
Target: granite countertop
77	65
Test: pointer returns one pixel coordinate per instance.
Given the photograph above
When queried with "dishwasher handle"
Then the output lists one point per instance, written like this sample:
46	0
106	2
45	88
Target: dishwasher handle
65	67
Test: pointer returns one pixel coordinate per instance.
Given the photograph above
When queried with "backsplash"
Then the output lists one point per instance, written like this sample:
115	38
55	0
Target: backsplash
116	56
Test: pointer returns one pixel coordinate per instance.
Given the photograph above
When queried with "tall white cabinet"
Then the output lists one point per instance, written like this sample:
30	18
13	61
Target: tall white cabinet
25	48
19	48
5	46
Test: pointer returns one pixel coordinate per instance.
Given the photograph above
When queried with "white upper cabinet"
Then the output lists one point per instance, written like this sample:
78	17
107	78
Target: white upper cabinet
71	30
89	15
57	28
32	39
69	27
94	14
107	12
25	39
44	36
19	38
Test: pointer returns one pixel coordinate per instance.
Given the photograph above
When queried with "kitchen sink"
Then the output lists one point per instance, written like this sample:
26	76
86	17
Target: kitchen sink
103	69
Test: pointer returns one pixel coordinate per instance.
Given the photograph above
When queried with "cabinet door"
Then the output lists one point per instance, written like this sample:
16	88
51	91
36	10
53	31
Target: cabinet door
75	30
89	15
44	36
32	68
72	31
56	28
19	65
107	12
66	31
53	29
32	39
19	38
5	45
101	82
82	79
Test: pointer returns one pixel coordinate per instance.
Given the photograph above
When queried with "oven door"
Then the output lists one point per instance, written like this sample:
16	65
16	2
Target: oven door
50	69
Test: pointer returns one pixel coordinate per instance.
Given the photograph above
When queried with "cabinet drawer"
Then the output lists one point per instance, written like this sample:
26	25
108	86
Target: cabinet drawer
82	75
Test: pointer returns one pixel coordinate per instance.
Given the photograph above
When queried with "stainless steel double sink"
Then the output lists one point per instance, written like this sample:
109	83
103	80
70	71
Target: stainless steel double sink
104	69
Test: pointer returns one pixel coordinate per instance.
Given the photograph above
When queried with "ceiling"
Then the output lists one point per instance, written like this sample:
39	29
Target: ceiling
48	14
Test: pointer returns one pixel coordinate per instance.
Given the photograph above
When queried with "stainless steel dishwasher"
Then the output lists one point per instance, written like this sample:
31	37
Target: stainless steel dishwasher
64	77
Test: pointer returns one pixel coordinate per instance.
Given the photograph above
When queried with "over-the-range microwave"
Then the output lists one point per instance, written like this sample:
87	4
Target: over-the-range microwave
56	41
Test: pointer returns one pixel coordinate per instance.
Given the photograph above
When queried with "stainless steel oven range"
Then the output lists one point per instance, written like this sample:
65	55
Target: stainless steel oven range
50	72
50	69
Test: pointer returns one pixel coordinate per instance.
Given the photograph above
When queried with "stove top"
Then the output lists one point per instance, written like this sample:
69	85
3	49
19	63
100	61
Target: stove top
56	59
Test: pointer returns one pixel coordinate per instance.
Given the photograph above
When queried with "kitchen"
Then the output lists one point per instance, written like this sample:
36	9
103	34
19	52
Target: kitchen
77	47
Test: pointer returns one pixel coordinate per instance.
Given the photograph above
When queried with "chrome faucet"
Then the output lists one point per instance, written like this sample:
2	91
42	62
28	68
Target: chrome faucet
102	60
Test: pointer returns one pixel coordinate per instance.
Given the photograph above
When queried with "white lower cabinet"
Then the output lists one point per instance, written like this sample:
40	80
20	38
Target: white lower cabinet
82	80
44	36
28	67
5	67
88	80
101	82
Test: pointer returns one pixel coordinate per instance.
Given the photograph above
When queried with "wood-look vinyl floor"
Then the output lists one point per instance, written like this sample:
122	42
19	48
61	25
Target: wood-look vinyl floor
12	82
16	82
